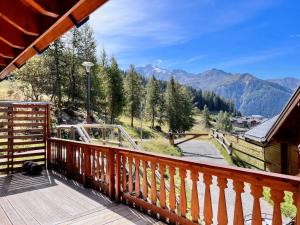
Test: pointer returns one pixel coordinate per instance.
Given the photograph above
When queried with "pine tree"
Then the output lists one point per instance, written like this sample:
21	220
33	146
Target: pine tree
223	121
114	91
171	105
206	117
179	107
134	91
161	105
55	60
76	85
103	70
152	99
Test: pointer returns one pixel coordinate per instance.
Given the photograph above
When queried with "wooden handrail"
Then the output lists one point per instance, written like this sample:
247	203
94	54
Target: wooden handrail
104	168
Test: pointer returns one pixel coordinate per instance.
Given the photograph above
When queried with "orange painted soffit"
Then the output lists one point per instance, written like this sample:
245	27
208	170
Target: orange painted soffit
27	27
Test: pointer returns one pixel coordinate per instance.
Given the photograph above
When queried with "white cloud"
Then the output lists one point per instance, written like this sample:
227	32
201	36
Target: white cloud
295	36
255	58
132	27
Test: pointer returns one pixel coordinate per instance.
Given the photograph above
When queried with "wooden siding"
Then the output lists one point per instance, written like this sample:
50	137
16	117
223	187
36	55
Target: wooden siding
293	160
273	155
23	134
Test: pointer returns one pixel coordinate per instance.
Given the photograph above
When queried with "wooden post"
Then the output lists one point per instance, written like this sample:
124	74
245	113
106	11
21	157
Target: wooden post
111	174
296	197
10	140
171	138
49	155
48	135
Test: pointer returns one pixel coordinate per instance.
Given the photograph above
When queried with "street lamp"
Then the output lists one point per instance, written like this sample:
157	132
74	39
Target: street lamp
88	66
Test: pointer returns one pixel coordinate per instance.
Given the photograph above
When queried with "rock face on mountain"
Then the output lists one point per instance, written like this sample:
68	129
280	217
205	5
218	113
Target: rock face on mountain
251	94
289	82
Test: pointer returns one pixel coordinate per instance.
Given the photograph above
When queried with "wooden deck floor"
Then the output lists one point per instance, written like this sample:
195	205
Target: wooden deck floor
51	199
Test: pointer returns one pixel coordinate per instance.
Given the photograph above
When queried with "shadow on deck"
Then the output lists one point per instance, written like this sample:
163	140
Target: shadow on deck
52	199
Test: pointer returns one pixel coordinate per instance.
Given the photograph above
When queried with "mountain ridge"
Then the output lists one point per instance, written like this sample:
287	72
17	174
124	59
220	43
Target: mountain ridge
251	94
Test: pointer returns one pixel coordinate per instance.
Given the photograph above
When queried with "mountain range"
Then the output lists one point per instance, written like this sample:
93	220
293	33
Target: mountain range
251	94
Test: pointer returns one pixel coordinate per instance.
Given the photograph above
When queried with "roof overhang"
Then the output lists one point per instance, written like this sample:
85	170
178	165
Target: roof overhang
27	27
276	125
285	113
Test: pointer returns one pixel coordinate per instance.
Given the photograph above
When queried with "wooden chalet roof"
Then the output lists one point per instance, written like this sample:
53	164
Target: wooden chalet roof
283	128
27	27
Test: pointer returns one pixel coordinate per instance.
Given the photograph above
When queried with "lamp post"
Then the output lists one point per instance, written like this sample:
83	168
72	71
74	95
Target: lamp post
88	66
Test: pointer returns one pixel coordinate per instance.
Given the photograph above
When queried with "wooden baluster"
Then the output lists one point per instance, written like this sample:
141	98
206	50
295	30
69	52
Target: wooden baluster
296	197
137	178
107	167
87	166
172	196
102	167
162	196
256	192
195	208
130	178
110	162
81	161
222	209
238	187
153	183
145	181
98	165
208	213
93	164
277	197
182	174
69	161
118	176
124	174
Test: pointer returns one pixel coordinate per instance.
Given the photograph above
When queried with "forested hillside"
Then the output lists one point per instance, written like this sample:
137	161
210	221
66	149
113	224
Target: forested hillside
250	94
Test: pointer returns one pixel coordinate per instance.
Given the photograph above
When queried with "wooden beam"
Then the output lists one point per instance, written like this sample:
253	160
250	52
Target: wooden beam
40	6
20	16
11	36
50	29
7	51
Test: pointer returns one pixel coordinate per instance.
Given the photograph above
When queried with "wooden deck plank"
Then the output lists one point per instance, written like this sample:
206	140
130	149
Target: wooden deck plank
51	199
22	211
10	212
4	218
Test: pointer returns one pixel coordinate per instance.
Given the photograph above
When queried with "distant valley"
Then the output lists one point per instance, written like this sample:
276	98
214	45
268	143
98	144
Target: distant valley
251	94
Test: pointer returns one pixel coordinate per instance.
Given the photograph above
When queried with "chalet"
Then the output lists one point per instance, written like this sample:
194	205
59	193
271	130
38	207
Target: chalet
280	137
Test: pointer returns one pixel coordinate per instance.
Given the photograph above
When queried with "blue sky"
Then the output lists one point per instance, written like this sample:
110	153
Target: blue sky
261	37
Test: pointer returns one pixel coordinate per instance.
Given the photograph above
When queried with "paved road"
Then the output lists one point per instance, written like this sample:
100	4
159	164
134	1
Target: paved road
203	151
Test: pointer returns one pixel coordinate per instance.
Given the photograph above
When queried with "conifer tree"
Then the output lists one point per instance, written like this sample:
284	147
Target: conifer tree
206	117
114	91
179	107
152	99
223	121
161	105
134	91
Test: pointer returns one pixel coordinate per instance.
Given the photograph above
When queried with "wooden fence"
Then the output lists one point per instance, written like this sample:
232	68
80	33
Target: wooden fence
105	168
23	131
250	156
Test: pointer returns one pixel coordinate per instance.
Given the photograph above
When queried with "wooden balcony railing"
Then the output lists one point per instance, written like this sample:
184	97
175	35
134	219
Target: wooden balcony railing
124	175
